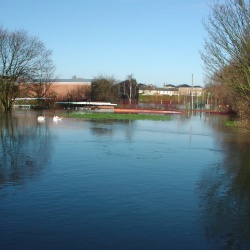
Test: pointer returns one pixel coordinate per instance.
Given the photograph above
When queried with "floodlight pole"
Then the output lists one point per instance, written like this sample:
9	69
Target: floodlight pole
192	97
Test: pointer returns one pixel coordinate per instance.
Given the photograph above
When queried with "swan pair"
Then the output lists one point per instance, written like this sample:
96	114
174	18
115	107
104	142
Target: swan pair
41	118
57	118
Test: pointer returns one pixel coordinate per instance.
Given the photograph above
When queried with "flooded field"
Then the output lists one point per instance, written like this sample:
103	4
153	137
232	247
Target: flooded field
102	184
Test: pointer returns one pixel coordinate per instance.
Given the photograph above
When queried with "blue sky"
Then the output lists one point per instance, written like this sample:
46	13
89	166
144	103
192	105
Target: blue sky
158	41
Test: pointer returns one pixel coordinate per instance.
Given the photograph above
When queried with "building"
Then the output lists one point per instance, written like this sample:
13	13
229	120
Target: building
147	89
167	91
67	87
185	89
171	90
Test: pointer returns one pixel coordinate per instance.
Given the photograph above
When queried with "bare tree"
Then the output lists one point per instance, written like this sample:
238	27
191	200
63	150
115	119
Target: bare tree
80	93
226	52
104	88
129	88
24	62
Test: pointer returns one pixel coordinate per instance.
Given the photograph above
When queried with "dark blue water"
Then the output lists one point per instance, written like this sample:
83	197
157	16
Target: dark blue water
78	184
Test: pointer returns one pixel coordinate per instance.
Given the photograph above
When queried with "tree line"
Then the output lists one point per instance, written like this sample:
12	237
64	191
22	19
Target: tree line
108	89
27	70
26	64
226	54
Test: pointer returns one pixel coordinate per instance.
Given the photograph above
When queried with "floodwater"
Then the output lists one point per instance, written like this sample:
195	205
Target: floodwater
81	184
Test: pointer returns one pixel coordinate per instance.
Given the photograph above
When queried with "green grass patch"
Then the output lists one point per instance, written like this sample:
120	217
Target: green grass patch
113	116
231	123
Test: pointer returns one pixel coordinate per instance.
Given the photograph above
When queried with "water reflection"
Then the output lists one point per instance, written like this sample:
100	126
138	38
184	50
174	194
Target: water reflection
25	148
225	192
108	127
124	184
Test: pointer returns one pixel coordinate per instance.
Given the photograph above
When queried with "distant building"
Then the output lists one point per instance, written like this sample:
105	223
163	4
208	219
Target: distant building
74	89
185	89
147	90
171	90
64	86
169	86
167	91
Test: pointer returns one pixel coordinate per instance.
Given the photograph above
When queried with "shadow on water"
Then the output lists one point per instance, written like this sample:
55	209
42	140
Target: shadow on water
25	148
109	127
225	192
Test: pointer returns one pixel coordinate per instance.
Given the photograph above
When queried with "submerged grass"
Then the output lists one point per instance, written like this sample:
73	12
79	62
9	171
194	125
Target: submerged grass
243	124
232	123
114	116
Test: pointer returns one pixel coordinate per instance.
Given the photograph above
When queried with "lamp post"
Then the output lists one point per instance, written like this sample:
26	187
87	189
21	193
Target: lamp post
208	94
192	97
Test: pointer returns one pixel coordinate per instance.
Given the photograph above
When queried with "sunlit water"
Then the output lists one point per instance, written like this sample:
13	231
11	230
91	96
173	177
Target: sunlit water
78	184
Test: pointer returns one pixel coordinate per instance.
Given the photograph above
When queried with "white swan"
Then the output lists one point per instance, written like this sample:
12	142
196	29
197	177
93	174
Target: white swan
57	118
41	118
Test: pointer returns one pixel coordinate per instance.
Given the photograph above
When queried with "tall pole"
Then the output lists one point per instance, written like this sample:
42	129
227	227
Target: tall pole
192	97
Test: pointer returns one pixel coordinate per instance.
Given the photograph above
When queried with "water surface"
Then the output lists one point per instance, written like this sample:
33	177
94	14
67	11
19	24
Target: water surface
79	184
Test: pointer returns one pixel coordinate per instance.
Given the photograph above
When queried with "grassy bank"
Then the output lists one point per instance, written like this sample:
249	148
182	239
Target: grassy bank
245	125
232	123
112	116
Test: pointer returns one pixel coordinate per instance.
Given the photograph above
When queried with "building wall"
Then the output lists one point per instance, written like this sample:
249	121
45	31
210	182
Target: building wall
77	89
186	91
62	88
